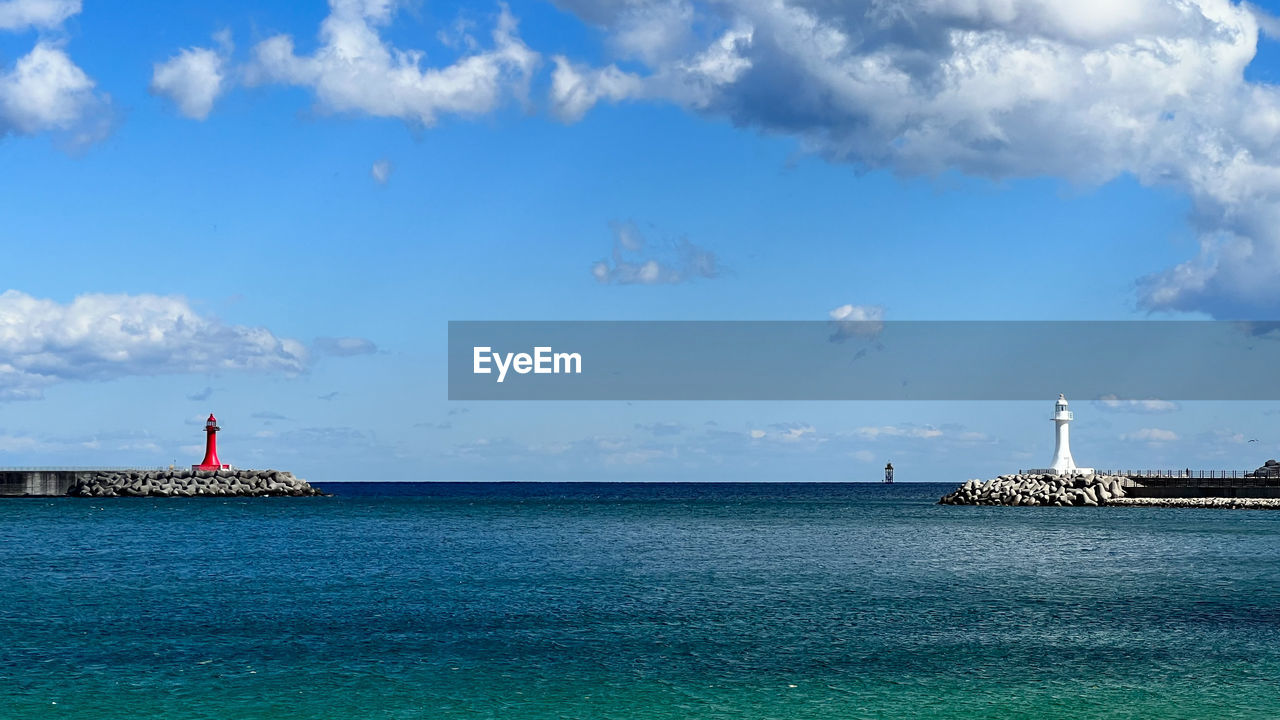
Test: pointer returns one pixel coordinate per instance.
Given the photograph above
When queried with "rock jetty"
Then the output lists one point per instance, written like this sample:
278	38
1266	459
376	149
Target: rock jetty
1031	489
193	483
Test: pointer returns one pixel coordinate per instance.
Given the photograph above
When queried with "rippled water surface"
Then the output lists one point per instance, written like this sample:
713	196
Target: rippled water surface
634	601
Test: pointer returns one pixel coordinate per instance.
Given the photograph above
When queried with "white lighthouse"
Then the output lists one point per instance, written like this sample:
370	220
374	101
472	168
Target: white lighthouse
1063	463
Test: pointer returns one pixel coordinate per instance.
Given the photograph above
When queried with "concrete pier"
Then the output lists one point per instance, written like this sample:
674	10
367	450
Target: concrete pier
41	482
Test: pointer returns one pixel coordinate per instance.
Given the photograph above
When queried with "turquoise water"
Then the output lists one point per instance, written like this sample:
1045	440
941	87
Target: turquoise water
634	601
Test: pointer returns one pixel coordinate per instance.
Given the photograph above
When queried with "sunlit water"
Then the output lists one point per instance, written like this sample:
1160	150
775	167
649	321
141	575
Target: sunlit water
634	601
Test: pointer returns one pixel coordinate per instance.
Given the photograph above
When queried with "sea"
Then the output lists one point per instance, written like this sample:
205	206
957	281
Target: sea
646	600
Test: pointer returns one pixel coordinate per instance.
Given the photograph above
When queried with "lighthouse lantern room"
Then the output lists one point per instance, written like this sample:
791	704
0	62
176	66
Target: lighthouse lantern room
210	461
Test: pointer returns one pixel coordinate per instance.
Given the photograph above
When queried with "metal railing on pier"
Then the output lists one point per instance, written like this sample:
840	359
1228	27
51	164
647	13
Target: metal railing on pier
1269	477
1189	473
80	468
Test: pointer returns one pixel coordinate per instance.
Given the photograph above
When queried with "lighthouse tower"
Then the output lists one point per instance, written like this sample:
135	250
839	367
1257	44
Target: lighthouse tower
210	461
1063	464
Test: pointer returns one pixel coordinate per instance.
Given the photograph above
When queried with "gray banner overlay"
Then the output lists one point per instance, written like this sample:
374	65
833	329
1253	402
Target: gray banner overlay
863	360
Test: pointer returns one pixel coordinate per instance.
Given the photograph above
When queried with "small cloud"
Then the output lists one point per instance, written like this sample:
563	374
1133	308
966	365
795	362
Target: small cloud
661	429
918	433
757	434
204	394
856	321
864	456
790	432
1228	437
1150	435
194	78
1111	403
381	171
344	346
459	411
268	415
635	262
328	395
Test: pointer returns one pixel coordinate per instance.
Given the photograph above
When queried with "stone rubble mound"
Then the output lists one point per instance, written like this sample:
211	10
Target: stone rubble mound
193	483
1226	503
1030	489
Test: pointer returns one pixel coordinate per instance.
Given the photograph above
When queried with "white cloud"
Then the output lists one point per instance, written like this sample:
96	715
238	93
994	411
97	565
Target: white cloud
856	321
45	14
789	433
857	313
45	91
1111	402
194	78
893	431
101	337
1150	435
381	171
356	70
1085	91
575	89
345	346
635	261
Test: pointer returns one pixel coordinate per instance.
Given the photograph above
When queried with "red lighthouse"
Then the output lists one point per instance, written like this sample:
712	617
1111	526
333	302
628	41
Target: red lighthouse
210	461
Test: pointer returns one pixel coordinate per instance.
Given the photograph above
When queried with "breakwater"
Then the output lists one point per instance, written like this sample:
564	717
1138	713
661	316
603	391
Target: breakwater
192	483
1037	489
138	482
1256	491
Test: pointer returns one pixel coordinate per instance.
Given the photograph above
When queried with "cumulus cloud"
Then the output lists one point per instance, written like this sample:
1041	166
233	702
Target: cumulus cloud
356	70
195	77
344	346
102	337
46	92
1085	91
635	261
381	171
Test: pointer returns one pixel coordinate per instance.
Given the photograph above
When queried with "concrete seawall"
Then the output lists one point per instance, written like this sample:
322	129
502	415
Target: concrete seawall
152	483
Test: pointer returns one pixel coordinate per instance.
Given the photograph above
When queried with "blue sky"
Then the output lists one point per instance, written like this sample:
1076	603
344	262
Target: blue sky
287	200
